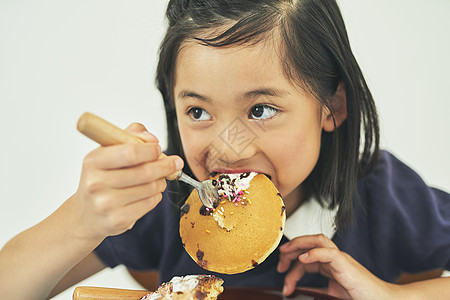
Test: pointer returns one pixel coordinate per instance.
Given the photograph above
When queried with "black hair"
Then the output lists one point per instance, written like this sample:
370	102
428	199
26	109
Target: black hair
316	55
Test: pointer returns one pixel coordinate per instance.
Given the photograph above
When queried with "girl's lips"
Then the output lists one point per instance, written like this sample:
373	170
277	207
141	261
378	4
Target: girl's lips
234	171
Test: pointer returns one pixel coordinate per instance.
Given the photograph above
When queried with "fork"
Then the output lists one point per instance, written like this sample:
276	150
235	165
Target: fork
107	134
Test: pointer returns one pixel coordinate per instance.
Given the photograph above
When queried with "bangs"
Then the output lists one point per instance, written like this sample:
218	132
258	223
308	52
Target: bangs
250	30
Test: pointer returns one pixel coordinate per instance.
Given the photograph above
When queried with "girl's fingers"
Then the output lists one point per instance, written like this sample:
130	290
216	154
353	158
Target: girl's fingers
131	188
307	242
140	130
323	255
115	199
143	206
292	249
337	265
298	249
349	279
142	174
354	279
136	193
286	258
126	217
122	156
292	277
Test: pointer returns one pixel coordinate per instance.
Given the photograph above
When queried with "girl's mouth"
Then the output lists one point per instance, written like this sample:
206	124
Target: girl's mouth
234	171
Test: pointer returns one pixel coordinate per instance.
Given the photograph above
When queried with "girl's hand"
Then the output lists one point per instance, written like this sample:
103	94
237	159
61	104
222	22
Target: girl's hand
317	253
121	183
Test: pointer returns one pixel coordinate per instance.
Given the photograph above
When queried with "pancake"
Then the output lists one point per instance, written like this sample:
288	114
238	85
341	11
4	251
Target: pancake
244	228
190	287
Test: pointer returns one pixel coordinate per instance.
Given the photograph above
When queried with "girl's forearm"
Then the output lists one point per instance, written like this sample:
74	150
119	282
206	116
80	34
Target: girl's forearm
438	288
34	261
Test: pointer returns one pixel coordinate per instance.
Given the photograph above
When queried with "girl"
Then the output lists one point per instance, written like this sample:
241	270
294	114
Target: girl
269	86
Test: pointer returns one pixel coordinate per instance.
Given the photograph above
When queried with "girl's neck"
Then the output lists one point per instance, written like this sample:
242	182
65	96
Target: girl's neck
293	200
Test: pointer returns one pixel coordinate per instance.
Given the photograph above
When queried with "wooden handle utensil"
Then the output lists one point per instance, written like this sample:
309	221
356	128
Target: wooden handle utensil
107	134
101	293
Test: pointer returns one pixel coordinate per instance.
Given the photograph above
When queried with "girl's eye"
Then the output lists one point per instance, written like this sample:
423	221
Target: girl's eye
262	112
199	114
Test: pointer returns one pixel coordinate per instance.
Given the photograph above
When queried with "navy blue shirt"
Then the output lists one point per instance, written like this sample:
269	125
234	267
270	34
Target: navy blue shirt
400	225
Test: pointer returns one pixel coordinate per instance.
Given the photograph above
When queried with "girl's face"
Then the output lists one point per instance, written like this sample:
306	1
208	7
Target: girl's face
238	112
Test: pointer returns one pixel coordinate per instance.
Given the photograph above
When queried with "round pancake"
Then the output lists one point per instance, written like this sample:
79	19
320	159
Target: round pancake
237	235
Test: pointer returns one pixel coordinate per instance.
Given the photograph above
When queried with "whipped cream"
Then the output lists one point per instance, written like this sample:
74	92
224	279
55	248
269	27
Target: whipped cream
183	284
178	284
232	186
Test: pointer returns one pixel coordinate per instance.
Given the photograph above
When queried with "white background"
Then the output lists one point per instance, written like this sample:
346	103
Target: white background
59	59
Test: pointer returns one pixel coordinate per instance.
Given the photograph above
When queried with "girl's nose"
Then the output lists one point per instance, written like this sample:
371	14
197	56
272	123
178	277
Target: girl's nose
234	143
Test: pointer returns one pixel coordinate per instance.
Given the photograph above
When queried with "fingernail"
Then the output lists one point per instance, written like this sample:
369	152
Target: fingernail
284	246
158	149
179	163
285	289
148	136
303	256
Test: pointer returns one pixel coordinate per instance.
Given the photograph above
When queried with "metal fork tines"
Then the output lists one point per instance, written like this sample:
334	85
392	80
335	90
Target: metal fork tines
206	190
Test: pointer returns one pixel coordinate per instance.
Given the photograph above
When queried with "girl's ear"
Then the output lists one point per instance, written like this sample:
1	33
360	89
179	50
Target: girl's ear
339	107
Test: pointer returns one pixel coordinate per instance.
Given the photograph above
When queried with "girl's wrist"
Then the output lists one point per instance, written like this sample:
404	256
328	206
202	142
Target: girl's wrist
77	226
401	291
437	288
392	291
382	290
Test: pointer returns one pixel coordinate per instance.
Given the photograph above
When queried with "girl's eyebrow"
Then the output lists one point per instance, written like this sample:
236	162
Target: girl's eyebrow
265	92
190	94
248	95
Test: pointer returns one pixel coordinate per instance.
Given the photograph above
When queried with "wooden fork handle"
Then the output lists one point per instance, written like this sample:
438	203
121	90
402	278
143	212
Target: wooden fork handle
103	132
107	134
101	293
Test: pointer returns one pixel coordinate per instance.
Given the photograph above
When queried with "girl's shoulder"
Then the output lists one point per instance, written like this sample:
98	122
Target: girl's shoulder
393	180
401	219
394	195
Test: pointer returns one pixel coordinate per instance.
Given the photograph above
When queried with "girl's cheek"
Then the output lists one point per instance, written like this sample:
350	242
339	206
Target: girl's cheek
195	150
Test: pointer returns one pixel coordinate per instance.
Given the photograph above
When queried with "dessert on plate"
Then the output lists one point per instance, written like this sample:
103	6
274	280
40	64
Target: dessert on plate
190	287
241	231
